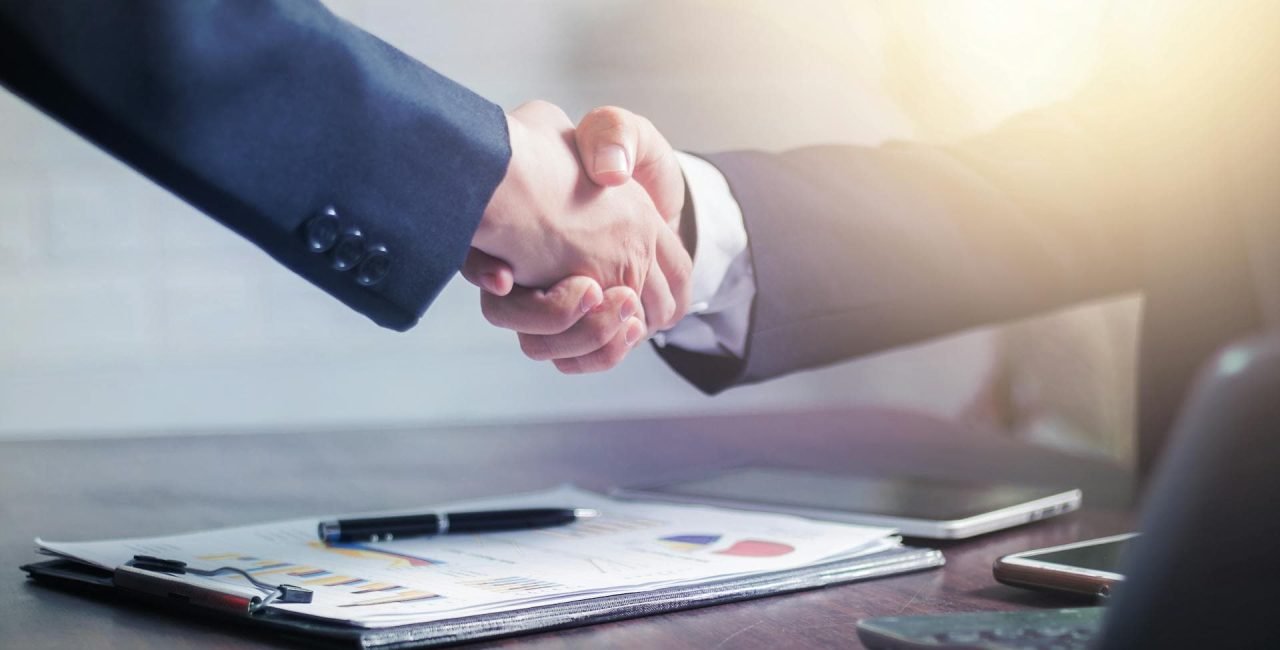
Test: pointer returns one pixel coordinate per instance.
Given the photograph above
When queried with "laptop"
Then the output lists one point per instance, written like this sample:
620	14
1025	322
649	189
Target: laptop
1205	573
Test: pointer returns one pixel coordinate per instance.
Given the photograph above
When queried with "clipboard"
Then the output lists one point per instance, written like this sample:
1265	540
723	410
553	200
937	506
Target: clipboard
231	607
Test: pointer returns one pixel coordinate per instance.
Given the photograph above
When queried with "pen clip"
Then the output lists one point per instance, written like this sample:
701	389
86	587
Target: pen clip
164	583
175	589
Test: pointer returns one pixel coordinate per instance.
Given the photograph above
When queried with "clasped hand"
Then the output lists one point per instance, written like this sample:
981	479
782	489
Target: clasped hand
579	250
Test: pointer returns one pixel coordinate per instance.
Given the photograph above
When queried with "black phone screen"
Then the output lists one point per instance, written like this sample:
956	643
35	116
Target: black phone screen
1104	556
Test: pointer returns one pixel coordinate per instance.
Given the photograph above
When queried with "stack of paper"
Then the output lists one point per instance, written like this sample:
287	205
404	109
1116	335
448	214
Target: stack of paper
631	548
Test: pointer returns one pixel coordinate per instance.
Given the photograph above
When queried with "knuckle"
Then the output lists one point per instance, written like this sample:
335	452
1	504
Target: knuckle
641	250
636	258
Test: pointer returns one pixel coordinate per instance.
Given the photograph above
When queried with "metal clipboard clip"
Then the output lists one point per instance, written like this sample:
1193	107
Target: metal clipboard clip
160	577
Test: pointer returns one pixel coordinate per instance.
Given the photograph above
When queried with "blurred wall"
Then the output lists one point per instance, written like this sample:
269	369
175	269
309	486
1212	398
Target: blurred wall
124	311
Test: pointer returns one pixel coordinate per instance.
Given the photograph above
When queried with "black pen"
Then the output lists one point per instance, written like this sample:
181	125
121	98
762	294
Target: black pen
385	529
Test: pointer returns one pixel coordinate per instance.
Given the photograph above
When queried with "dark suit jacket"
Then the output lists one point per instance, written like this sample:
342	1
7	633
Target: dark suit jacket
1163	182
263	114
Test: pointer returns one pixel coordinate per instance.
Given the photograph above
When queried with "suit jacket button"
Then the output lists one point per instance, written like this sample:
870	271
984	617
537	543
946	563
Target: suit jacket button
376	265
348	251
321	231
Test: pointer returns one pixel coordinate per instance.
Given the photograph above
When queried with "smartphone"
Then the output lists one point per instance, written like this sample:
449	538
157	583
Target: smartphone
915	506
1088	568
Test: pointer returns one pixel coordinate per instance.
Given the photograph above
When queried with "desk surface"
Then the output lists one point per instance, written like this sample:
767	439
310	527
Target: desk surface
68	490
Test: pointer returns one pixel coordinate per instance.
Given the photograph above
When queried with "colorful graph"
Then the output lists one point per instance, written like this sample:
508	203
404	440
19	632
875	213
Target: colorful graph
757	548
375	587
336	581
309	572
361	551
313	576
410	596
743	548
510	584
271	566
689	543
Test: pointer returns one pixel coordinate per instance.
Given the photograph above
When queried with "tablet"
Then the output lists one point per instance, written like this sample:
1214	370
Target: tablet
916	506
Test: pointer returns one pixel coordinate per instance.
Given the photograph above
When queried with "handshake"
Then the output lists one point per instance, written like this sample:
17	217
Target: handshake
580	249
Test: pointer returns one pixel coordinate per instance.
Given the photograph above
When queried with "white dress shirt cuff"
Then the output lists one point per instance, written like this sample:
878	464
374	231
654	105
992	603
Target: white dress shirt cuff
723	284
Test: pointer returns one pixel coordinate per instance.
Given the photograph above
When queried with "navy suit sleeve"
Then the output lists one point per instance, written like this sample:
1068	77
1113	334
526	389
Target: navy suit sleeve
267	113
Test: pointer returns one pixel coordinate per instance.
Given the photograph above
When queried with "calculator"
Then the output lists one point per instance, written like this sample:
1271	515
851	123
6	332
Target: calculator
1067	629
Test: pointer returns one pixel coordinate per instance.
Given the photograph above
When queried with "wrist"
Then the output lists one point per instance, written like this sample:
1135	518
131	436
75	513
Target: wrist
496	222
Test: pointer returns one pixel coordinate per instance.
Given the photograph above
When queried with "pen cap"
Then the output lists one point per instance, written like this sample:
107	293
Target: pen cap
329	531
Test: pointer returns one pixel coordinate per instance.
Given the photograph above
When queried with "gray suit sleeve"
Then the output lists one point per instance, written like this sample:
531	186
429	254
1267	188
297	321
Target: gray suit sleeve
858	249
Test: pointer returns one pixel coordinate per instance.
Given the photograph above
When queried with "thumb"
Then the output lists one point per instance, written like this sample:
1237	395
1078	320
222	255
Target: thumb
607	141
616	145
488	272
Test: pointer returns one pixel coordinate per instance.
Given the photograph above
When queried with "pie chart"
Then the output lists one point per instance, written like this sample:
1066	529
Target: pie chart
757	548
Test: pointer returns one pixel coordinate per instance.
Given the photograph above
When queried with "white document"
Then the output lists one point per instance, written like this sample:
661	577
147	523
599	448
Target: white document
631	547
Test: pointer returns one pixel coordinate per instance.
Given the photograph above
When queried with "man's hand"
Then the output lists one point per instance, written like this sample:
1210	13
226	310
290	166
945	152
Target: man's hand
620	146
573	323
547	221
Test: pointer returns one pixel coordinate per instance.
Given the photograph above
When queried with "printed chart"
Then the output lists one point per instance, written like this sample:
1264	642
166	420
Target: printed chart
395	560
630	548
311	577
741	548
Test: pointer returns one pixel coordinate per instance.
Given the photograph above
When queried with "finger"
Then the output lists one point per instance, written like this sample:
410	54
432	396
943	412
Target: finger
618	145
676	268
535	311
590	333
607	141
488	272
656	297
608	356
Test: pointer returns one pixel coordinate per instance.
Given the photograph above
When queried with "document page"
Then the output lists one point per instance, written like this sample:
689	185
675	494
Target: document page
631	547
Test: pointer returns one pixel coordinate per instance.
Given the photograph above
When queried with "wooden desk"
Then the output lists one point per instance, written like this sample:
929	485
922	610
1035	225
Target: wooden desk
68	490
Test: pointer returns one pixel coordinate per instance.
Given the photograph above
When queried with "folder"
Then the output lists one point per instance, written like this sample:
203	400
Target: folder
700	570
